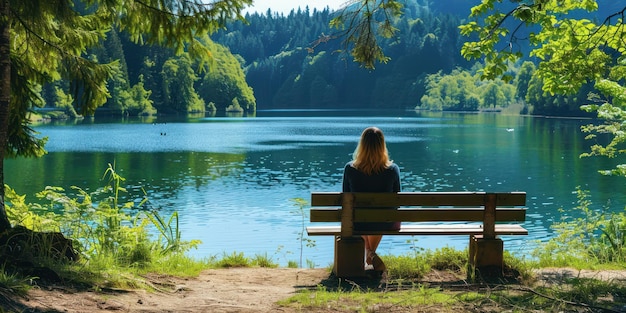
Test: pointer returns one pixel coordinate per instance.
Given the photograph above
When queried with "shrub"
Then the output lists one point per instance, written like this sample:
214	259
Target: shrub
594	237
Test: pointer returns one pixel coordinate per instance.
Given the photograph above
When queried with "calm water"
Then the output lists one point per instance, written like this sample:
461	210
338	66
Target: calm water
233	180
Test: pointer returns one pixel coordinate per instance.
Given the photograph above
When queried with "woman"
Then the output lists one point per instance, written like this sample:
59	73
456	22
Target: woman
372	171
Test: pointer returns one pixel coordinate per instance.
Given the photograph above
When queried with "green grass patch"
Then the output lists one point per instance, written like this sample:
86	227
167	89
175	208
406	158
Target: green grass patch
235	259
263	260
368	301
12	283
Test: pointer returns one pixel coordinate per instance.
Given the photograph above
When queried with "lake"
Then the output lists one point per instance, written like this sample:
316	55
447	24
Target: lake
233	180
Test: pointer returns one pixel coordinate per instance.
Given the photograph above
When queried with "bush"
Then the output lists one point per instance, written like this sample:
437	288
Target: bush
596	237
101	228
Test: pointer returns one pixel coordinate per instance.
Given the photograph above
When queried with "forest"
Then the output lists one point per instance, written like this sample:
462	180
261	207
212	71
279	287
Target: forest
297	61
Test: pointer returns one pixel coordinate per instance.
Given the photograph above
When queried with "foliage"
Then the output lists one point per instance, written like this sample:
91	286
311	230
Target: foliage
358	300
614	116
593	238
104	230
170	82
169	234
544	103
181	265
179	93
367	21
234	106
571	50
302	212
136	100
13	284
522	80
419	262
65	101
406	266
235	259
224	84
464	91
263	260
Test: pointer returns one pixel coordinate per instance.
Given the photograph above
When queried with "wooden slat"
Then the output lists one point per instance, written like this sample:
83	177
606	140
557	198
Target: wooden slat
418	199
426	230
419	215
517	198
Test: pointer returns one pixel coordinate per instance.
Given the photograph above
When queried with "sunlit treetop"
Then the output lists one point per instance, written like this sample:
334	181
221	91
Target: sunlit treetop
571	51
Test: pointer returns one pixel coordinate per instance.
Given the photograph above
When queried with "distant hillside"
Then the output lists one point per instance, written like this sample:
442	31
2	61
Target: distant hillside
294	60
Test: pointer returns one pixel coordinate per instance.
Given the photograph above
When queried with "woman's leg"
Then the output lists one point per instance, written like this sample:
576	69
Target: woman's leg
371	244
367	250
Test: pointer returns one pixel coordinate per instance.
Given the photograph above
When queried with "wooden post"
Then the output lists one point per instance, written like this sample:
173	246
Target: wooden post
489	218
487	251
349	257
486	255
347	214
349	249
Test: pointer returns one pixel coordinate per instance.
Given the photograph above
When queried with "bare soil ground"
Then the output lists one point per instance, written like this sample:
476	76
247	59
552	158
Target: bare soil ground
237	290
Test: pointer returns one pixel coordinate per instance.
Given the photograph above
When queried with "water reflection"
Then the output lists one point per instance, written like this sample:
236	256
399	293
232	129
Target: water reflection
233	179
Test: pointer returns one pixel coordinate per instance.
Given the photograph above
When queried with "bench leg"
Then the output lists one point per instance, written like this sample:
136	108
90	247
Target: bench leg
486	256
349	257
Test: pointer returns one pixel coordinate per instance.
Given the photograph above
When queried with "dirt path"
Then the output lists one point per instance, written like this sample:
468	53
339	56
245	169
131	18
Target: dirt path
221	290
243	290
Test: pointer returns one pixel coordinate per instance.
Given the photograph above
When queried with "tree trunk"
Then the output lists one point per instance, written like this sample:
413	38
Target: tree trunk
5	99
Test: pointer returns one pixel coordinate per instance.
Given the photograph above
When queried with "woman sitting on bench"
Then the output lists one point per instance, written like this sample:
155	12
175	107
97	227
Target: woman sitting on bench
372	171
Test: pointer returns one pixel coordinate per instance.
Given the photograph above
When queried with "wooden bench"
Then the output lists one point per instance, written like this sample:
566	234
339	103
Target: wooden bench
478	215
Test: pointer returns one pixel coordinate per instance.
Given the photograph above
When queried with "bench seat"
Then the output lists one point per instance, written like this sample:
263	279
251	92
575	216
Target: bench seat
424	230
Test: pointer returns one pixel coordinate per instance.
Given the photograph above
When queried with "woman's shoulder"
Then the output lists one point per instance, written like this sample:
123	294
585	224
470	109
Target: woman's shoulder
394	167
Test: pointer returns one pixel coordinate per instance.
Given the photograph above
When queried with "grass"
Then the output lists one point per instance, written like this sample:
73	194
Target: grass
13	283
368	301
410	287
408	290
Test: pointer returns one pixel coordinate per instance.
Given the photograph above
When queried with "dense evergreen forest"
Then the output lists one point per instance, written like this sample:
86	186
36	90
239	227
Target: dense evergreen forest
297	61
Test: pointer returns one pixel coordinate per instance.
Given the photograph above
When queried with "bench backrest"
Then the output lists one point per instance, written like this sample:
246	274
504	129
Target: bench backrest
484	207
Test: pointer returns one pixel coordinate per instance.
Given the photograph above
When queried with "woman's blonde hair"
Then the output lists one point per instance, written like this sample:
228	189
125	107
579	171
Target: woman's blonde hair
371	156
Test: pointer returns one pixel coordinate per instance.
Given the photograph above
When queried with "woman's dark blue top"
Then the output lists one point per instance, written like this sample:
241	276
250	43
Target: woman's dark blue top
386	181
